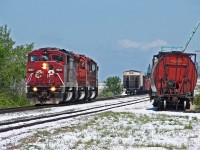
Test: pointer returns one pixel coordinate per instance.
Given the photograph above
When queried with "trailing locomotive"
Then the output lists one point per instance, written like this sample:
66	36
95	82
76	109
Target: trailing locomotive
173	80
135	82
55	75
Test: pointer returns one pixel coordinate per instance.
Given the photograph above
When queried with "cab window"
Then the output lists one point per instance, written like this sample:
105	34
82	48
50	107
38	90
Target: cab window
34	58
57	57
93	67
45	57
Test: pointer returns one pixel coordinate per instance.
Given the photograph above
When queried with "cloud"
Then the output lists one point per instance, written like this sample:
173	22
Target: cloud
127	43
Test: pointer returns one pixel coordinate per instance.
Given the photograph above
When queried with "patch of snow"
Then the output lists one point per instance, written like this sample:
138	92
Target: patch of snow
132	127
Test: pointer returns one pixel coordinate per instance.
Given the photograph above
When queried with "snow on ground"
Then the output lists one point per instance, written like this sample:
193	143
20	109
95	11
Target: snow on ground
60	109
132	127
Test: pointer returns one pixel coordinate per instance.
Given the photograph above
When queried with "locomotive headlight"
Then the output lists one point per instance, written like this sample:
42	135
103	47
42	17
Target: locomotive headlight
44	66
35	89
53	89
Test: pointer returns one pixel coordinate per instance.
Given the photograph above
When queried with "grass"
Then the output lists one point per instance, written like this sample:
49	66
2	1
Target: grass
8	102
197	100
42	133
188	127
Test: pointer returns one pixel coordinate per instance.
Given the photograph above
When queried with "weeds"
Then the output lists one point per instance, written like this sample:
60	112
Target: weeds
188	127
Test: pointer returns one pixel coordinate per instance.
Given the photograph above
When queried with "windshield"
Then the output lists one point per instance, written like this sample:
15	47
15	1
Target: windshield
35	58
46	57
57	57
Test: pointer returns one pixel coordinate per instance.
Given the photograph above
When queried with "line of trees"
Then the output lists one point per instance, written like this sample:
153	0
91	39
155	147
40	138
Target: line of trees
12	69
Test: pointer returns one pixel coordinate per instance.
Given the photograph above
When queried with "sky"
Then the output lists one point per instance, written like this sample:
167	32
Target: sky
119	35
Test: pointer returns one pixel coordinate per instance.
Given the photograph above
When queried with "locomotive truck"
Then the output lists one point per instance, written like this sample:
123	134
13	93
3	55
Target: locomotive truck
55	76
173	80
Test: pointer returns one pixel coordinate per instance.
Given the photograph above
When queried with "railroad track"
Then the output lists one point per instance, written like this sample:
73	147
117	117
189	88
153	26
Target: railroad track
18	109
28	108
21	123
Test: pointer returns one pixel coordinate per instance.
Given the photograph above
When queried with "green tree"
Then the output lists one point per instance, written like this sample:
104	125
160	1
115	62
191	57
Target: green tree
6	44
113	84
12	64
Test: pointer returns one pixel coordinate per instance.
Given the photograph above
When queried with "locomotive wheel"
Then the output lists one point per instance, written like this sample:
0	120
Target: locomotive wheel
164	104
87	95
69	96
82	95
92	95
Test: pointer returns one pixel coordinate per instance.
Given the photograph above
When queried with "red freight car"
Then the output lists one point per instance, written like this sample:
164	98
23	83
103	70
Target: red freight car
147	83
56	75
173	80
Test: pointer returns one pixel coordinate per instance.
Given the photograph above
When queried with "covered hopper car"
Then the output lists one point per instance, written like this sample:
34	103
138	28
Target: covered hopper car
135	82
55	75
173	80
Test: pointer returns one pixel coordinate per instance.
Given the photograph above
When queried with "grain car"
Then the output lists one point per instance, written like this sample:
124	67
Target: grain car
135	82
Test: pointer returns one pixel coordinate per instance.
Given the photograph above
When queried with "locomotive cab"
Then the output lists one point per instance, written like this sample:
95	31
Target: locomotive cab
45	76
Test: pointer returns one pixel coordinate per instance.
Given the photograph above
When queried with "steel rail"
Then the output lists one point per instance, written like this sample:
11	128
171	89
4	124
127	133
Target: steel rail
37	121
28	108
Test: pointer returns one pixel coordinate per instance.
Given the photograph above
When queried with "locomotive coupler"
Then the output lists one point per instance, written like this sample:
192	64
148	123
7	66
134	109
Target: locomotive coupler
43	97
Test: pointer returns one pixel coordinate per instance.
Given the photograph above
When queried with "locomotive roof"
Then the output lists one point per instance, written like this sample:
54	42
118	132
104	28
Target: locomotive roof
133	71
69	53
54	48
64	51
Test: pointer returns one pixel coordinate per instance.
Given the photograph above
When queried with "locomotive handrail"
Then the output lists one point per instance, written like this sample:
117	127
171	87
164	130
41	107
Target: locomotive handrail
60	78
29	78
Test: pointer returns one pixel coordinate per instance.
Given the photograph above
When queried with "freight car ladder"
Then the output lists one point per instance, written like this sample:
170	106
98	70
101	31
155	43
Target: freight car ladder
195	29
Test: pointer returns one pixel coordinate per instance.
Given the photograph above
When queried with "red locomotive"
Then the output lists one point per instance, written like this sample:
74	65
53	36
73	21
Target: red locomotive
173	80
56	75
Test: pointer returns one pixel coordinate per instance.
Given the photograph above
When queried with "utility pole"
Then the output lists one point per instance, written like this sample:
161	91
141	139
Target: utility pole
197	64
187	43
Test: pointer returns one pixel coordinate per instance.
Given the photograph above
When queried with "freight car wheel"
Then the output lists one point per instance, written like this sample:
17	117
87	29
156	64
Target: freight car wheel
160	104
184	105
